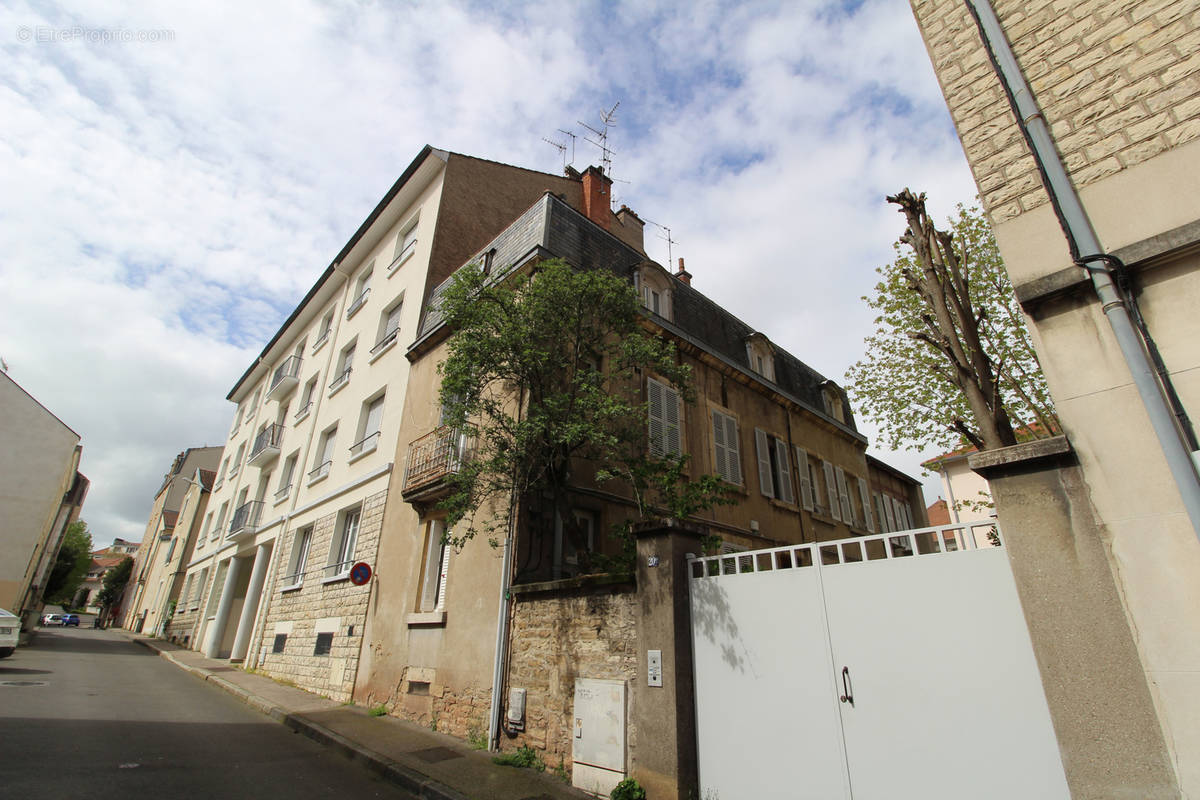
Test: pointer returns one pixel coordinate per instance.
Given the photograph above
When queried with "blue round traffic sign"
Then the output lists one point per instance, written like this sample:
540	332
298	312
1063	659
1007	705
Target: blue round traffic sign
360	573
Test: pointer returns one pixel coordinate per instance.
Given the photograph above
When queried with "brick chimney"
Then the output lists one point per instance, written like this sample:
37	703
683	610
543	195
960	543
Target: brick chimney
597	197
683	274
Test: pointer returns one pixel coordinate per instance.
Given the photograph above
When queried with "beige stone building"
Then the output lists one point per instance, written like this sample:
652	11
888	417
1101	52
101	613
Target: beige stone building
1091	188
156	576
41	492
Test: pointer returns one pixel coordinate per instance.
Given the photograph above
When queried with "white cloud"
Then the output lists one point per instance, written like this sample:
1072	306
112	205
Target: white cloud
169	202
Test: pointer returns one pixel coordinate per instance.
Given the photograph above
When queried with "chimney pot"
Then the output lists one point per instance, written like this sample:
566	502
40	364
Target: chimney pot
683	274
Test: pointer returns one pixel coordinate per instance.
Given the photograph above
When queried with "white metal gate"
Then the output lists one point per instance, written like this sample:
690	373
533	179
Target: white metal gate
882	668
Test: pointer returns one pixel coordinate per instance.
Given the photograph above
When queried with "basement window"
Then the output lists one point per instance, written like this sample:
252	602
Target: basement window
280	641
419	688
324	644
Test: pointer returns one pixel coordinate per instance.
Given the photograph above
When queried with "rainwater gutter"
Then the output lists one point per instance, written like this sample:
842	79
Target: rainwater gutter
1087	252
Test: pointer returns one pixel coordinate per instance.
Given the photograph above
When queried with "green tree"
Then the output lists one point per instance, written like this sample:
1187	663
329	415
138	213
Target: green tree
546	368
114	583
70	565
951	361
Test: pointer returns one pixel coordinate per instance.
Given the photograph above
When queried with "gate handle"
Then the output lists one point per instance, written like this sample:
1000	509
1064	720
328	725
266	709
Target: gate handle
847	697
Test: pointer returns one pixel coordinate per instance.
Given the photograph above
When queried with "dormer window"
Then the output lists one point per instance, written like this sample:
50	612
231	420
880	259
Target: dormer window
835	406
761	356
654	289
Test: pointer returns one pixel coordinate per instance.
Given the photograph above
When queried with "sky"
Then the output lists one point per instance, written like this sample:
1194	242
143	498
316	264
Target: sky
176	178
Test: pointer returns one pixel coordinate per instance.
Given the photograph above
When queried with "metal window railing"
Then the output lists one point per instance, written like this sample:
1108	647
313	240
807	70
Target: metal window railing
341	378
388	338
437	454
320	472
365	445
290	368
358	303
270	436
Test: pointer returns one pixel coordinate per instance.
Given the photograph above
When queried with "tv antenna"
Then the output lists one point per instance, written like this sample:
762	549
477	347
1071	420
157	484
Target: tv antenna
608	120
667	239
562	150
568	133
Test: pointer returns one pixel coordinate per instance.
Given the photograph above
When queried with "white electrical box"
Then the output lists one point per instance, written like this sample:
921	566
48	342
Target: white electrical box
654	667
516	709
599	743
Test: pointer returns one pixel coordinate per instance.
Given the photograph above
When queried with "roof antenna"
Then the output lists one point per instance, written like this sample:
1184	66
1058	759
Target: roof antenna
609	120
666	238
562	150
568	133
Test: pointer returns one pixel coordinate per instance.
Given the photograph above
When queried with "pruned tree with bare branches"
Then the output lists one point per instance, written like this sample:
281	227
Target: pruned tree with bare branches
951	362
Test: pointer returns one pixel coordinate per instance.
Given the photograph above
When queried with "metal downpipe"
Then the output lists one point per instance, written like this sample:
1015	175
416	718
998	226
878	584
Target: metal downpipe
1086	249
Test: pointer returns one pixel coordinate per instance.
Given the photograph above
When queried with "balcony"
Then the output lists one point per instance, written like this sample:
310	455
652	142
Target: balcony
266	446
434	457
246	518
285	379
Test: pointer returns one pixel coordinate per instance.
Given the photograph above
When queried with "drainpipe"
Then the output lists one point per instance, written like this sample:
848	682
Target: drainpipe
1085	246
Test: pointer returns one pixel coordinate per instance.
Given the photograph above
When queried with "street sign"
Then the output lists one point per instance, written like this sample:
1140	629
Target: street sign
360	573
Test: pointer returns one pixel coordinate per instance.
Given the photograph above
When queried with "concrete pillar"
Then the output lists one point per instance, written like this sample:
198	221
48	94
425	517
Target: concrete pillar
241	639
664	762
217	631
1104	717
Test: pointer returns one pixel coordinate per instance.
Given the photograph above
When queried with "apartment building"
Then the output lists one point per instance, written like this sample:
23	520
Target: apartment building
1081	124
143	604
41	492
780	433
299	496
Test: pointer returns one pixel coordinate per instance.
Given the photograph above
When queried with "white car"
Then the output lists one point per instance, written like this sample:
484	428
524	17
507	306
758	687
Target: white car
10	631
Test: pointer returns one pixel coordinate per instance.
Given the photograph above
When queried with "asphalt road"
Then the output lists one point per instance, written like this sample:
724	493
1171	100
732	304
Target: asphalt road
86	714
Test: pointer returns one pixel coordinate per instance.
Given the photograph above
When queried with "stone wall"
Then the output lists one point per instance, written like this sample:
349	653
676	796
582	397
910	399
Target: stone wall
337	607
1118	81
558	636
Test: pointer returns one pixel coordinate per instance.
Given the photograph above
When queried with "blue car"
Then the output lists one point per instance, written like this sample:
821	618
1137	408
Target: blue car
70	619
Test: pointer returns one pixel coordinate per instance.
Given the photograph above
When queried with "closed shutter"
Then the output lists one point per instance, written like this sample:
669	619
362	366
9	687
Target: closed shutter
844	497
374	418
888	512
764	462
784	470
865	495
434	558
806	487
832	492
665	437
725	447
444	567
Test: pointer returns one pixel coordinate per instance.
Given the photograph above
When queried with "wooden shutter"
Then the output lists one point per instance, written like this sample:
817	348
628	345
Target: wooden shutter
784	471
806	487
434	558
444	567
664	419
844	497
726	453
888	513
865	495
764	462
832	495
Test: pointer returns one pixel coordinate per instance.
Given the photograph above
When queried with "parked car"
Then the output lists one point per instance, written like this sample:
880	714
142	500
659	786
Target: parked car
10	631
52	619
70	619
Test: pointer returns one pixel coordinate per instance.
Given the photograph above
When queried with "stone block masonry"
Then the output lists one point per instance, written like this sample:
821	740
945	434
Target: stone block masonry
1117	80
318	626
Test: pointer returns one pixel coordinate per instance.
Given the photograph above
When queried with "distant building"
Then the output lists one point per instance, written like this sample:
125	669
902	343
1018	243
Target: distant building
41	492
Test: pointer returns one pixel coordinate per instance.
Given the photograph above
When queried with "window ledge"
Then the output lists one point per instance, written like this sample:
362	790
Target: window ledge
320	344
339	387
317	479
383	350
426	618
301	417
784	505
341	576
360	455
291	588
405	256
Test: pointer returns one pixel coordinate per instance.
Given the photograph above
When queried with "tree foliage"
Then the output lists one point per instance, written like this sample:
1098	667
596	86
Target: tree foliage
547	369
951	362
114	583
70	565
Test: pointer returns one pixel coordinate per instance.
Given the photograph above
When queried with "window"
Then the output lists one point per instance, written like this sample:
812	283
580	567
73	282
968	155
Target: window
285	477
889	513
864	496
237	460
204	529
832	399
844	496
804	472
324	330
665	439
279	643
306	398
726	455
341	551
186	594
368	427
566	553
298	559
252	409
437	560
406	245
362	287
324	644
195	600
324	459
221	473
345	364
774	471
831	492
654	289
389	327
761	356
171	550
216	531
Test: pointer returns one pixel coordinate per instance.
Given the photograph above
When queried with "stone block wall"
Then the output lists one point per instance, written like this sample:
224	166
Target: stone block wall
558	637
186	621
299	612
1117	80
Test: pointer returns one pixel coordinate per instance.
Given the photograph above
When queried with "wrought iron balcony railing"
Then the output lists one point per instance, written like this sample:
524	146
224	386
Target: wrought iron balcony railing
436	455
286	377
246	518
266	445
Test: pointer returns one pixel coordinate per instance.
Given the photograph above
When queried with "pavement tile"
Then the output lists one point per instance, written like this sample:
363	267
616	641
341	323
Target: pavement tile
425	764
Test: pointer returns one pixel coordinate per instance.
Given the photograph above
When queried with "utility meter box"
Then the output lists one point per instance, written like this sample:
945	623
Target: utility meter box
599	735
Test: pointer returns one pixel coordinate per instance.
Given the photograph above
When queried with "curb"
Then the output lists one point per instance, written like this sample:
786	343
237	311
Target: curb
418	785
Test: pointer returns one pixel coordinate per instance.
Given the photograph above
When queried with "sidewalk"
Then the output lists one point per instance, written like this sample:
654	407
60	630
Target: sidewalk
425	764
